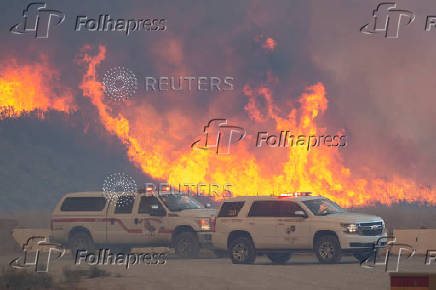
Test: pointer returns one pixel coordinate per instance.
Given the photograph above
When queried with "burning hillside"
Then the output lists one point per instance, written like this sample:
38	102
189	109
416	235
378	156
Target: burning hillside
153	146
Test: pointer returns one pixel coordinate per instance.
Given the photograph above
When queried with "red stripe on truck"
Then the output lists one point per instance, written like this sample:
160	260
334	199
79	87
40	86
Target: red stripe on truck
93	220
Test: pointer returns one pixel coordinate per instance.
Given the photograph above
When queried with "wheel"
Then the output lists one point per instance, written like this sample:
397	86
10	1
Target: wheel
279	258
328	250
186	245
81	241
242	251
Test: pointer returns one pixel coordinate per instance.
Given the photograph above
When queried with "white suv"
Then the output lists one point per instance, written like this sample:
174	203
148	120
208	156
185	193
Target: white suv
297	222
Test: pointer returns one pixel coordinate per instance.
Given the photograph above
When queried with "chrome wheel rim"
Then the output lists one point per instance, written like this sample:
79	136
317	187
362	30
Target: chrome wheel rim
239	252
326	250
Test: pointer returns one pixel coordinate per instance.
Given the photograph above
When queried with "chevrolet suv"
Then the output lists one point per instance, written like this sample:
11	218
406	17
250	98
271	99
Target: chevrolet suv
85	220
281	226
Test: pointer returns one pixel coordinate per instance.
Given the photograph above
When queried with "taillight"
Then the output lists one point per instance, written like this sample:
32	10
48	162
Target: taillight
213	224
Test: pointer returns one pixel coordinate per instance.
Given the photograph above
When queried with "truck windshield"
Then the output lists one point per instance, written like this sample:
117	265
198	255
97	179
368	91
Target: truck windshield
322	206
178	202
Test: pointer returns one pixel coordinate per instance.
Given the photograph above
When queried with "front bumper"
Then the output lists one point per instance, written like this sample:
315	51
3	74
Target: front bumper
358	242
205	239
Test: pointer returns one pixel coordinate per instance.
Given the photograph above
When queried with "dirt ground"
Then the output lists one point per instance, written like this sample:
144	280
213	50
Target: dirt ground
302	272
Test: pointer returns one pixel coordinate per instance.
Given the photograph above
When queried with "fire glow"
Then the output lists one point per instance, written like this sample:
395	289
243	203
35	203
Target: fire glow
320	171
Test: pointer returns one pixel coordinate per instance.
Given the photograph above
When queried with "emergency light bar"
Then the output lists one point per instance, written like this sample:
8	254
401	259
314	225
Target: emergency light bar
295	194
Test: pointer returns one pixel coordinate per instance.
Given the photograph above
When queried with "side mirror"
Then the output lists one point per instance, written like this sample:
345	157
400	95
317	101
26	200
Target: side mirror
299	213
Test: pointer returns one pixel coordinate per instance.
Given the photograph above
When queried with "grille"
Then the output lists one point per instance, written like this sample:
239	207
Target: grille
371	229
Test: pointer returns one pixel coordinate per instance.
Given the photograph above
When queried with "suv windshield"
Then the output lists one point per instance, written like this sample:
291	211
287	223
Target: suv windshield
322	206
178	202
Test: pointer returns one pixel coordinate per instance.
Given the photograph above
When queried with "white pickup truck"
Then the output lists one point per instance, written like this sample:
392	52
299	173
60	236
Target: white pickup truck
87	220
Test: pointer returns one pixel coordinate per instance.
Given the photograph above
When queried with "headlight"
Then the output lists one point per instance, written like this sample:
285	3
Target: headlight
350	228
205	224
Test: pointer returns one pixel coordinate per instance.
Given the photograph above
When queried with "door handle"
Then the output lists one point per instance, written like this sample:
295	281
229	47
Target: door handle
280	224
136	221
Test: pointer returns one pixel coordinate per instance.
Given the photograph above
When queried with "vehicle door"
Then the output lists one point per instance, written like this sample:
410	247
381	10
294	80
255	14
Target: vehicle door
293	227
262	220
154	221
123	226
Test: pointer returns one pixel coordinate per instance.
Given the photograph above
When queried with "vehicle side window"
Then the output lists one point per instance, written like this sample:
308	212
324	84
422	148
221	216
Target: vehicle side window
91	203
288	209
230	209
148	204
124	204
265	209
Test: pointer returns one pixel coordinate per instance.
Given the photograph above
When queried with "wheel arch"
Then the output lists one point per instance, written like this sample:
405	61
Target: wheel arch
321	233
238	233
78	229
181	229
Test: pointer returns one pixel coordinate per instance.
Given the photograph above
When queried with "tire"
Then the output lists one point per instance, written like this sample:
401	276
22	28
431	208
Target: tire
279	258
242	251
186	245
81	241
328	249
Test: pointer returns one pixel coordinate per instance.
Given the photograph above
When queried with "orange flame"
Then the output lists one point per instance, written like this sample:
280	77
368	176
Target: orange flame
34	87
319	170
